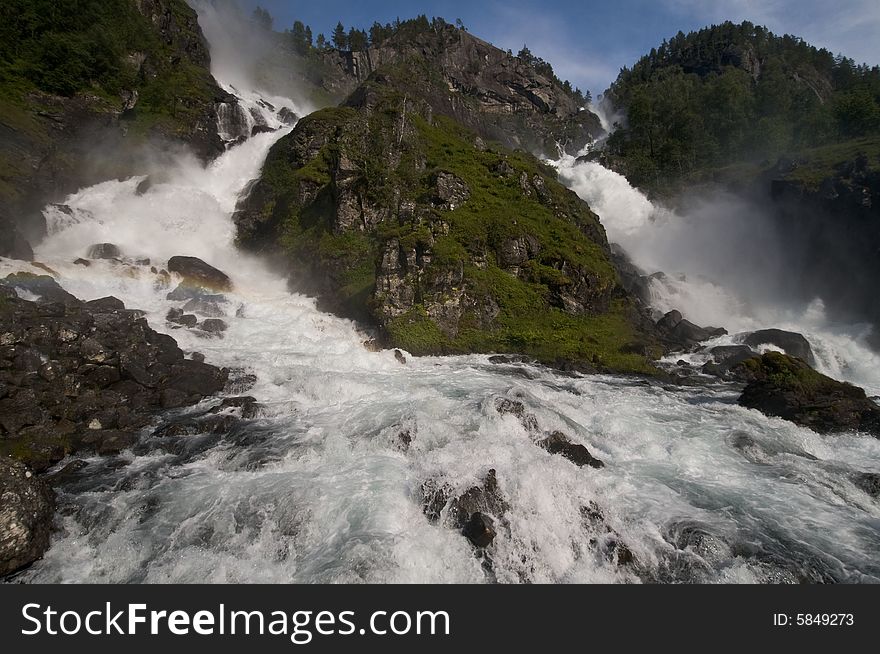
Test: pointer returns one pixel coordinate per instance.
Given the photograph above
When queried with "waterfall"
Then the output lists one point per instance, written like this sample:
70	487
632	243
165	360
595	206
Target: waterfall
319	488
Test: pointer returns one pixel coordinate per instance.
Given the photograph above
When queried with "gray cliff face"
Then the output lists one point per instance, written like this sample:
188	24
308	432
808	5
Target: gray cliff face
496	94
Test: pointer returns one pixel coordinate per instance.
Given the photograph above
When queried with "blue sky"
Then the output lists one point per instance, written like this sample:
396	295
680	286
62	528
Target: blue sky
588	41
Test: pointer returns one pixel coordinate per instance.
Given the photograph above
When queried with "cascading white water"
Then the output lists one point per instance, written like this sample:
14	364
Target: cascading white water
720	268
317	489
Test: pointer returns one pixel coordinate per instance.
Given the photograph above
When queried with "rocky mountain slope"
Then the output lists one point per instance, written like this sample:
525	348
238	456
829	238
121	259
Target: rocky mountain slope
498	95
117	74
394	211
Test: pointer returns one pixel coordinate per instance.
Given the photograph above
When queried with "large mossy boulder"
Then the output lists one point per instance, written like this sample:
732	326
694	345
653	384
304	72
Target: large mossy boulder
785	387
408	222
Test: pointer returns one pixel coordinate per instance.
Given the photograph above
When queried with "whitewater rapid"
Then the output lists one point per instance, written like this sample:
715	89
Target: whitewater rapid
318	489
721	268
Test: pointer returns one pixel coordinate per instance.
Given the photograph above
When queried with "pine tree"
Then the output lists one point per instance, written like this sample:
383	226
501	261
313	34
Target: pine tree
340	38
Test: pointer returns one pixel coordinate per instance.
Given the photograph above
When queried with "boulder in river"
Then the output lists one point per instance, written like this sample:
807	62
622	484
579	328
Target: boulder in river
677	332
559	443
791	343
104	251
26	514
785	387
198	274
726	358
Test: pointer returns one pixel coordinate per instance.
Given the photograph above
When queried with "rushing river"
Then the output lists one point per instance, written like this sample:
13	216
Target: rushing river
317	488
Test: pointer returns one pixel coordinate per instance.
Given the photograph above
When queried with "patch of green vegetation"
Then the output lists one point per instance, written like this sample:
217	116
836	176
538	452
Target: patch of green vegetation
498	208
415	332
817	164
786	373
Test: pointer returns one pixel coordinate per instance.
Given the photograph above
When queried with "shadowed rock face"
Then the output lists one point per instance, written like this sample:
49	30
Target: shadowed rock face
27	506
794	344
785	387
85	376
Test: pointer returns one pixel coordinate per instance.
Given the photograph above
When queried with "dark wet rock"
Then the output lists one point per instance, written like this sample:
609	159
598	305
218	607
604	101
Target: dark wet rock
178	317
559	443
143	186
198	274
762	452
400	358
480	530
27	507
104	251
68	472
632	278
246	406
791	343
197	378
87	378
868	482
403	440
106	304
785	387
207	305
287	116
240	381
261	129
85	263
197	356
218	424
213	326
508	359
725	358
475	512
108	441
677	332
506	406
604	538
44	286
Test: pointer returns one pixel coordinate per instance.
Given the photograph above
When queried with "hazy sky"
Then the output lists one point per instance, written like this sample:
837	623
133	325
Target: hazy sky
587	41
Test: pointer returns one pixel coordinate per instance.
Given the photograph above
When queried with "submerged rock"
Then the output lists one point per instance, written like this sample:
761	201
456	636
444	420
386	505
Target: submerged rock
791	343
785	387
474	512
559	443
27	507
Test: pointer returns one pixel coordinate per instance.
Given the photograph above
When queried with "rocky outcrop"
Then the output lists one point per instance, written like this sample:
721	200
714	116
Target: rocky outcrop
85	376
785	387
791	343
27	507
406	221
680	334
499	96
